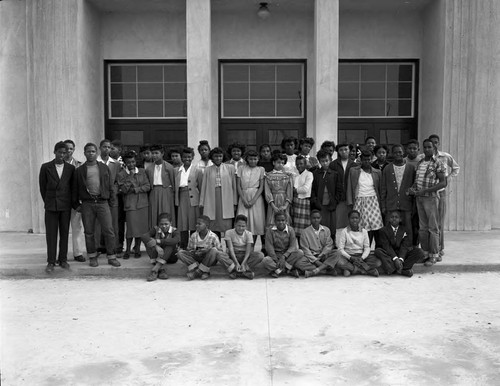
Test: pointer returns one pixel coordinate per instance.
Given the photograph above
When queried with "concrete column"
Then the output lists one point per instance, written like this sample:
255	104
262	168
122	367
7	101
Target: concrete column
468	108
199	73
15	196
326	58
64	88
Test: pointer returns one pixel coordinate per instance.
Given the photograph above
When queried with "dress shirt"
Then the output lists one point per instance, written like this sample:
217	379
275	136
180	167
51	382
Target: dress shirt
59	169
157	175
184	176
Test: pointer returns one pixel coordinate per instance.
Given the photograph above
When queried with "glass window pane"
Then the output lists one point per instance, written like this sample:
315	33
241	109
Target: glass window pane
174	73
150	91
123	109
289	108
248	137
372	90
236	108
262	90
400	72
276	136
392	137
398	108
352	136
262	73
123	91
262	108
349	90
289	90
289	73
373	108
373	72
123	73
348	108
348	72
130	138
235	73
175	91
399	90
149	73
235	90
150	109
176	109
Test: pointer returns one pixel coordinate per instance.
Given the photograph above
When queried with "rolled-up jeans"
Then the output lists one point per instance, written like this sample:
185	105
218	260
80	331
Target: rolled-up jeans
428	214
98	210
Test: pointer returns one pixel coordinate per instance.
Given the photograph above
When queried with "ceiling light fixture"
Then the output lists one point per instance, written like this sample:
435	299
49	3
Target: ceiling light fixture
263	11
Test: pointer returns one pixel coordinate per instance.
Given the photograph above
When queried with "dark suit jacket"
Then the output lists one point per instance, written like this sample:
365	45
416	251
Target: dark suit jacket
343	175
106	181
390	197
58	194
394	246
352	183
329	178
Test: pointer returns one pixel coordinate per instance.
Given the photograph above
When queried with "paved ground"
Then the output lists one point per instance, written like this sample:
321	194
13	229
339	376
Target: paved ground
23	255
440	329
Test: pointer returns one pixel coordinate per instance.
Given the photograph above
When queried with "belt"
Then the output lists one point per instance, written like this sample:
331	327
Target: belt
181	188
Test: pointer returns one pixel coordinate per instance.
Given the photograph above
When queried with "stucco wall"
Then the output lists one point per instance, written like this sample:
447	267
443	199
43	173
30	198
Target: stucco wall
15	197
386	35
144	35
242	35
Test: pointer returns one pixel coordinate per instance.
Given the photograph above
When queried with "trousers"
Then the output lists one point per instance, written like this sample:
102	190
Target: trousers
428	213
194	261
57	222
253	261
294	260
98	211
412	257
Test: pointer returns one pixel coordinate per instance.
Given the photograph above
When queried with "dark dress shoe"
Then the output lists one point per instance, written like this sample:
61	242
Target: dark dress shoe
64	265
50	268
114	263
162	274
93	262
407	272
373	272
80	258
126	255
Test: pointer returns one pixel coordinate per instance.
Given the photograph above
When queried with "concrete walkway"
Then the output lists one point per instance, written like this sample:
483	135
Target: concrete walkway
23	256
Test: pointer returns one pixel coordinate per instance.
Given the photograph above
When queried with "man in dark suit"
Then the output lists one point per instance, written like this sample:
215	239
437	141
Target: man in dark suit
342	165
326	192
397	178
58	190
394	248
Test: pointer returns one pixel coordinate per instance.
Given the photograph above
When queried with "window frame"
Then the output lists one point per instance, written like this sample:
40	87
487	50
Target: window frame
250	62
414	82
107	89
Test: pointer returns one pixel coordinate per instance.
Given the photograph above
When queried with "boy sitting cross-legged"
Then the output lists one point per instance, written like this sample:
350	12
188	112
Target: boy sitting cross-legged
394	248
161	244
240	258
317	244
283	251
201	252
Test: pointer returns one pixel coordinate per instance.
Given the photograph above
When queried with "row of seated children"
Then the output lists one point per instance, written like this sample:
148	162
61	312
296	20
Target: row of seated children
316	254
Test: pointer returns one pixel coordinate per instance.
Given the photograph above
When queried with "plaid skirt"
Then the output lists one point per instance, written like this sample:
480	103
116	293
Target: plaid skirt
371	217
301	214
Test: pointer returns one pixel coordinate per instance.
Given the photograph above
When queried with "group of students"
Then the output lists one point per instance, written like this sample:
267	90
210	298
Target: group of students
293	201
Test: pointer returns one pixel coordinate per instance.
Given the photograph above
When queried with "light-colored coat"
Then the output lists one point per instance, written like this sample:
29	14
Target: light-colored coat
195	180
228	190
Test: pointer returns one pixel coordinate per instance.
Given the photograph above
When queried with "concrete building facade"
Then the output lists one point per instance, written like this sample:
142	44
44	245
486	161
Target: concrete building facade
330	69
